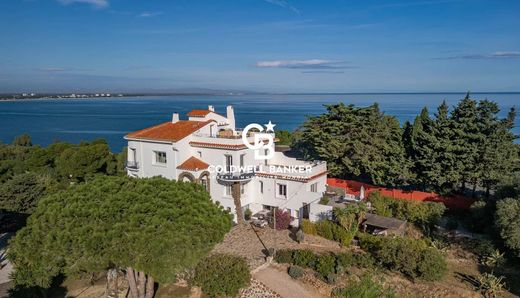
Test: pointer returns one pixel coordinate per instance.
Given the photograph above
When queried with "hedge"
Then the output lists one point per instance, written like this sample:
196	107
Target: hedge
222	275
327	266
328	230
412	257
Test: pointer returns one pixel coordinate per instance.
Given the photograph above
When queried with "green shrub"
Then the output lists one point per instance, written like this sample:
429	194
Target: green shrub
420	213
304	258
325	265
309	227
222	275
365	287
360	260
324	201
431	265
325	229
331	278
341	235
247	214
412	257
401	254
370	243
484	248
382	205
296	272
283	256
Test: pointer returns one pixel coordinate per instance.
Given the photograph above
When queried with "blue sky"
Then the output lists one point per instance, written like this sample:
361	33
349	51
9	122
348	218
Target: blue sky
260	45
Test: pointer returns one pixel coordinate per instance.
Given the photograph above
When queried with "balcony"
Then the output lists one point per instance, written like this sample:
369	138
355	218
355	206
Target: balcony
132	165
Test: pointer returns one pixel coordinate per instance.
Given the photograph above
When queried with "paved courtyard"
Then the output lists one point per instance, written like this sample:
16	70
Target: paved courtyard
250	243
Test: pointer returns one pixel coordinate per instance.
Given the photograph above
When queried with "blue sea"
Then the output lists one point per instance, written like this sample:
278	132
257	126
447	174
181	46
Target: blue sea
74	120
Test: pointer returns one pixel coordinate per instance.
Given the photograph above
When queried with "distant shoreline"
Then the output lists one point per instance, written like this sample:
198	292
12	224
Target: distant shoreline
66	96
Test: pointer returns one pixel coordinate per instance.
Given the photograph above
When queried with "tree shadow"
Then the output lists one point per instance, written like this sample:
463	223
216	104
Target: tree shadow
55	291
467	278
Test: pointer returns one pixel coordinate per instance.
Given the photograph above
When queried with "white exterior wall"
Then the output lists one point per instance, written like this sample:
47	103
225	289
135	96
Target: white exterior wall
298	192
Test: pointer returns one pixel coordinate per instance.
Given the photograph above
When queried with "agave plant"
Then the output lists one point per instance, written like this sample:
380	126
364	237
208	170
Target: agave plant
494	259
490	285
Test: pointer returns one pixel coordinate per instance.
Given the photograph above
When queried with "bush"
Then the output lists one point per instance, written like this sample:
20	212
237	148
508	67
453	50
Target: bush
420	213
341	235
247	214
412	257
360	260
308	227
365	287
431	265
304	258
484	248
325	265
283	219
222	275
325	229
324	201
283	256
370	243
296	272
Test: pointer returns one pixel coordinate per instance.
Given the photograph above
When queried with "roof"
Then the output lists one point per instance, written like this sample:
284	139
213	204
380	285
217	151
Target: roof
193	164
199	113
169	131
383	221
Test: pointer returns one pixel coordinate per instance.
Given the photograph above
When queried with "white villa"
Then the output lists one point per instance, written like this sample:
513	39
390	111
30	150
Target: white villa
192	150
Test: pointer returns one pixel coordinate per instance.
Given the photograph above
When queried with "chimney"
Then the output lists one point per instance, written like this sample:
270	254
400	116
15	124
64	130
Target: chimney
175	118
230	115
211	108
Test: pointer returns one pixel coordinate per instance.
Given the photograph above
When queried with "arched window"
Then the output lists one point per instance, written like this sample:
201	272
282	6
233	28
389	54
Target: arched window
186	177
204	180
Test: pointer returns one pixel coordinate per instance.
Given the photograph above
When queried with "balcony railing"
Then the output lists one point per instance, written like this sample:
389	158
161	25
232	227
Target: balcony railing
132	165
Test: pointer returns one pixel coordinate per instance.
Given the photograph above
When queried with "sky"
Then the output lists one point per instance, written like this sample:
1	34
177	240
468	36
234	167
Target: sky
260	45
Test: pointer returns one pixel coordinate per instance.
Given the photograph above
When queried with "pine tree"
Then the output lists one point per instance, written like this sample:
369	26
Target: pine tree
445	176
360	143
151	228
466	140
422	146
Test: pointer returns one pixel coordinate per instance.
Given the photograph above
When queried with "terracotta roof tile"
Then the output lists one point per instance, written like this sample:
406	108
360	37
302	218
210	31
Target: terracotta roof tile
199	113
169	131
193	164
218	146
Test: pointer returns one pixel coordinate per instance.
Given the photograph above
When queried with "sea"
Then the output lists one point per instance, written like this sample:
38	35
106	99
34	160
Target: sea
76	120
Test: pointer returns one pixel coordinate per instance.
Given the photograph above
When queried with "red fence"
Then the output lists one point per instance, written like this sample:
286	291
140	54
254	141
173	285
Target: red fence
353	187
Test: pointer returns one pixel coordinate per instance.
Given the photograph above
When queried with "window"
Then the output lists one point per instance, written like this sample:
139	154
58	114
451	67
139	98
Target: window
229	190
314	187
205	182
282	190
242	189
200	153
242	160
229	163
261	186
160	157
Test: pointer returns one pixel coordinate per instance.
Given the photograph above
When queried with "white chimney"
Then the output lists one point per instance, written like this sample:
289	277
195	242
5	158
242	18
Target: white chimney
230	115
175	118
211	108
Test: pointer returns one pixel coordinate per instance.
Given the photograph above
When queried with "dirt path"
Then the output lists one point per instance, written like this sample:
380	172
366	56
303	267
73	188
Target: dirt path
284	285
